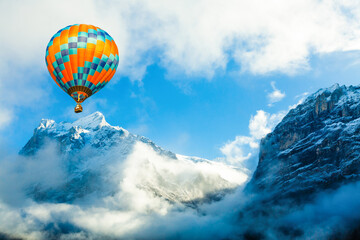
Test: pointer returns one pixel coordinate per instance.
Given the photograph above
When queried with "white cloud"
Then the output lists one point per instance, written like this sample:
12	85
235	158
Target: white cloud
6	115
262	123
276	95
245	147
193	37
22	172
240	149
261	36
301	98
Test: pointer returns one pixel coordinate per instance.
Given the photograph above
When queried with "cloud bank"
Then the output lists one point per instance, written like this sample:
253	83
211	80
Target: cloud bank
187	38
134	194
132	213
192	37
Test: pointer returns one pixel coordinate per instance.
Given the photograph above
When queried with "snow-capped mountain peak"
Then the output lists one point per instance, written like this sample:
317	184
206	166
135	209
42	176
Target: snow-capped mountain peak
46	123
88	124
92	121
98	157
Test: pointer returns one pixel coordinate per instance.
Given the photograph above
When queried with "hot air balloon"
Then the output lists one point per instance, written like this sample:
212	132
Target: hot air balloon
81	59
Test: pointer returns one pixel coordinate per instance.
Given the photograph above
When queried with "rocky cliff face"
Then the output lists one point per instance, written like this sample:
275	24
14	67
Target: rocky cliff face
315	147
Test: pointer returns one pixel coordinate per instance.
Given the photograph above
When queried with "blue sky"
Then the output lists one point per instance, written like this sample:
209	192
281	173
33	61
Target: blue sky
191	76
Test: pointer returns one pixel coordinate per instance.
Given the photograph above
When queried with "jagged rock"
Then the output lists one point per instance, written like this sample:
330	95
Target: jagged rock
315	147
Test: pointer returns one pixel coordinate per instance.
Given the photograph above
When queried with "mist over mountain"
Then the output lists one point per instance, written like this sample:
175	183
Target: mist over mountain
91	180
85	169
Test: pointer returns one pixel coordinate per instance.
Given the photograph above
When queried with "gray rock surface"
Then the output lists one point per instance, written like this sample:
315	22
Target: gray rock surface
315	147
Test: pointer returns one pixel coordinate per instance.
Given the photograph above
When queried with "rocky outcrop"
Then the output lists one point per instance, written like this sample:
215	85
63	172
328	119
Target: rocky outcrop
315	147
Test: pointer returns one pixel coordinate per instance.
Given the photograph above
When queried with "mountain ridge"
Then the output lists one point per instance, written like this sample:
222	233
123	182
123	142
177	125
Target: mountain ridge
90	142
316	145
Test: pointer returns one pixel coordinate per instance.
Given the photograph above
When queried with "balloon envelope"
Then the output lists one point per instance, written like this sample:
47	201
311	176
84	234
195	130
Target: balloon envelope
81	59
